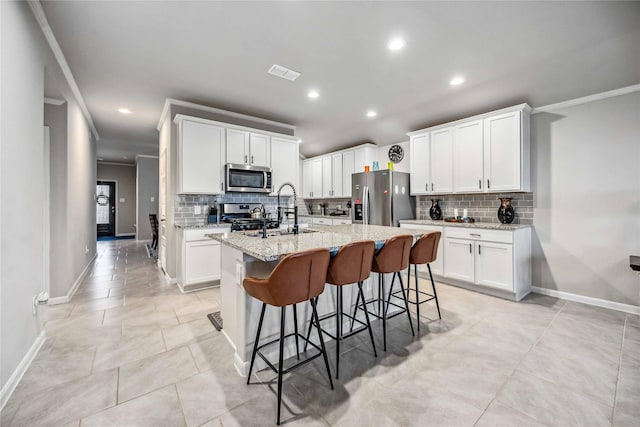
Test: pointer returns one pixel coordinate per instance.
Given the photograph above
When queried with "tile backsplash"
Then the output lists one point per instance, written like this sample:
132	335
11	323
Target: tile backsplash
481	207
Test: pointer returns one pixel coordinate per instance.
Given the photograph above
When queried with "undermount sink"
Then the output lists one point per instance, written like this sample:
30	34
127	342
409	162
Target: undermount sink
273	233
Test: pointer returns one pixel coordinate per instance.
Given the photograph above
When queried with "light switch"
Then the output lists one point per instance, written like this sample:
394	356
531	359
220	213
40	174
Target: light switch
153	199
121	199
197	210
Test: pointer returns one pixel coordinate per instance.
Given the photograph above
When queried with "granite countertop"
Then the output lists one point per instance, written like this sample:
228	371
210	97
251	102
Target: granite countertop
323	216
484	225
331	237
194	226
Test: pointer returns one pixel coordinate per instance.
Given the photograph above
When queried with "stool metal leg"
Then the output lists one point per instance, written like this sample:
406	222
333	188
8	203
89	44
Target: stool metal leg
324	350
435	295
281	360
366	316
255	344
338	327
406	303
417	294
384	313
295	329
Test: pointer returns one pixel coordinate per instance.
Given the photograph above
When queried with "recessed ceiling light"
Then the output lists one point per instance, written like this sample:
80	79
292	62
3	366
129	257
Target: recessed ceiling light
396	43
456	81
371	113
124	110
313	94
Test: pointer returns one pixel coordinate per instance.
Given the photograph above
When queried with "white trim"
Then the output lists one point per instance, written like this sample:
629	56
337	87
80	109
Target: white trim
627	308
343	150
100	162
585	99
54	101
180	117
169	101
41	17
67	298
147	155
125	234
46	210
10	386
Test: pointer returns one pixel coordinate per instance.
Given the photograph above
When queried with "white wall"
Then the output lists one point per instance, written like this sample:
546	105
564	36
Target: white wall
586	185
146	189
383	157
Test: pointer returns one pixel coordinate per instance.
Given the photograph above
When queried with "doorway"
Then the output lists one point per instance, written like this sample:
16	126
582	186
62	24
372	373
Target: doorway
106	208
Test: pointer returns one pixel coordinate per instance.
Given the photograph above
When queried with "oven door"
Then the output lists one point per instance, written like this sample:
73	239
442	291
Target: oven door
248	179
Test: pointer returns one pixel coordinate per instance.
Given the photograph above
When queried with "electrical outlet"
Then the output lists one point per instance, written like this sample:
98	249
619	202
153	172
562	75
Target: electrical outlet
86	249
197	210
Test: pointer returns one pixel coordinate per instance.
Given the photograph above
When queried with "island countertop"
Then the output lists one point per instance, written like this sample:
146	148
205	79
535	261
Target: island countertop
331	237
483	225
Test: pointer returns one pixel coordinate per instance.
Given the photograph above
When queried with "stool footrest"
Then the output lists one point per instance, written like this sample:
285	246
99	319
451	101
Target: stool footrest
431	297
348	316
379	316
297	365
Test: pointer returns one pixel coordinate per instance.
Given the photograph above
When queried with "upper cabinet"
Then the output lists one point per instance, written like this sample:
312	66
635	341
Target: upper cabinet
348	168
284	163
200	166
484	153
312	178
244	147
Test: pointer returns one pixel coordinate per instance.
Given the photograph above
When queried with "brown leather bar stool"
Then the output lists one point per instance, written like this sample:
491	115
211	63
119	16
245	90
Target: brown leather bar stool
352	264
392	258
298	277
424	251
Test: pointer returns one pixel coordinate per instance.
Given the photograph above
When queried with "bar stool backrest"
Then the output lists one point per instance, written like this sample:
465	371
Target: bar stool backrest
425	250
352	263
298	277
394	255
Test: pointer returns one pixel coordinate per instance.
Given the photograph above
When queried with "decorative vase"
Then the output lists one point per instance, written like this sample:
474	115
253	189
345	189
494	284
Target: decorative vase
506	213
435	212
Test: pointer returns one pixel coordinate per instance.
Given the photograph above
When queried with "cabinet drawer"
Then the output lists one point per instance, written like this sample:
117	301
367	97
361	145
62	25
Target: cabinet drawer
200	233
341	221
479	234
323	221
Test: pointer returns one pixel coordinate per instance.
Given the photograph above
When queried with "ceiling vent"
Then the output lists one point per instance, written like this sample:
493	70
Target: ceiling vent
283	72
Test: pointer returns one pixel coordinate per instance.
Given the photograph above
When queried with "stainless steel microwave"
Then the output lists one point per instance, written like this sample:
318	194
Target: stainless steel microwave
248	178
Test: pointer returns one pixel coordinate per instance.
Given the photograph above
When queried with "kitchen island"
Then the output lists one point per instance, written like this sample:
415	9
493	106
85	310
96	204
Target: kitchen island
248	254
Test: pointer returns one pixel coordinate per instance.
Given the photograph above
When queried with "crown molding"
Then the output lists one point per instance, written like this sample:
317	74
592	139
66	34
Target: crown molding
586	99
40	16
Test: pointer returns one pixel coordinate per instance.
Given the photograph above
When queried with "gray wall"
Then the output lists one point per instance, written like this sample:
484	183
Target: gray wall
147	189
24	57
125	189
586	186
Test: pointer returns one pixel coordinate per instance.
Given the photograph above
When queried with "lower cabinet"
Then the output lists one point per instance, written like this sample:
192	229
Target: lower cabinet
459	263
437	267
198	259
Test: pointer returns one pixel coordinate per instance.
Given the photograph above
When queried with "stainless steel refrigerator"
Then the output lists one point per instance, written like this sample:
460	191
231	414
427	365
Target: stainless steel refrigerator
381	198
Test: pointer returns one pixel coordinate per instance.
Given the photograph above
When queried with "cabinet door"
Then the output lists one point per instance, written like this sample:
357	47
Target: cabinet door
259	153
237	146
502	152
316	178
284	165
348	164
441	164
494	265
327	175
200	168
336	175
307	179
459	259
364	157
420	164
202	262
467	158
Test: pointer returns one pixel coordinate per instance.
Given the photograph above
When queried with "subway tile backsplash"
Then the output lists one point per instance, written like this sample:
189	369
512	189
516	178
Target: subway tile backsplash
481	207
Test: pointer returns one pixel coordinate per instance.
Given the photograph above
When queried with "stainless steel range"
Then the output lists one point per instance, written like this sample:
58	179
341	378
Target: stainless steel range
239	215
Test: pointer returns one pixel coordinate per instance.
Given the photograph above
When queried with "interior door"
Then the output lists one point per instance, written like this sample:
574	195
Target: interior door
106	208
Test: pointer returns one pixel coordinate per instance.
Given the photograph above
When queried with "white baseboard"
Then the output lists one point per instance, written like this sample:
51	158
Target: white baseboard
627	308
126	235
65	299
22	367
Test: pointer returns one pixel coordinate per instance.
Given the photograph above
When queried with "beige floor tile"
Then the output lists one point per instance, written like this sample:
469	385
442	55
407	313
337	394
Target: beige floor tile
210	353
83	295
159	318
68	402
186	333
54	312
500	415
127	350
92	335
158	409
79	321
97	304
196	311
551	404
119	314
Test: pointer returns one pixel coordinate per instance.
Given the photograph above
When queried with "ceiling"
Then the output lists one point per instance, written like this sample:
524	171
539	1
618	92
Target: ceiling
137	54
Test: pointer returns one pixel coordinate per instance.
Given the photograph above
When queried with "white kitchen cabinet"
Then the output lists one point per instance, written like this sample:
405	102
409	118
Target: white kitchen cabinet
244	147
441	161
494	265
332	176
348	168
284	163
468	158
198	258
327	177
420	162
312	178
364	156
503	153
437	266
323	220
459	259
200	166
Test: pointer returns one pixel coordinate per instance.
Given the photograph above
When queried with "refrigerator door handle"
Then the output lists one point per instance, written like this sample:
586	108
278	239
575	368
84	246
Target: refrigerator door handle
365	202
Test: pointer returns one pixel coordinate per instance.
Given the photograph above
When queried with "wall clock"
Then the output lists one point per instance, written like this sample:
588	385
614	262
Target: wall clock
396	153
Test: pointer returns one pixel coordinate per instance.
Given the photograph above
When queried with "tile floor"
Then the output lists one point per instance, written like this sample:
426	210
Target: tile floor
131	350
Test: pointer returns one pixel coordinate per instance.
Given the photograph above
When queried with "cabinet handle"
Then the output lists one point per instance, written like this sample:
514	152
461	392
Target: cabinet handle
488	184
426	186
479	184
251	159
479	249
432	186
222	186
474	235
245	158
470	249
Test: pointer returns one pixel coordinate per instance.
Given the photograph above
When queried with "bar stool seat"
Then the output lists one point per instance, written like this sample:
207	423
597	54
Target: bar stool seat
297	278
392	258
352	264
424	251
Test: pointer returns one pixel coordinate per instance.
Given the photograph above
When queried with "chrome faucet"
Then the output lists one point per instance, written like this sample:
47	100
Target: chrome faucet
287	211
